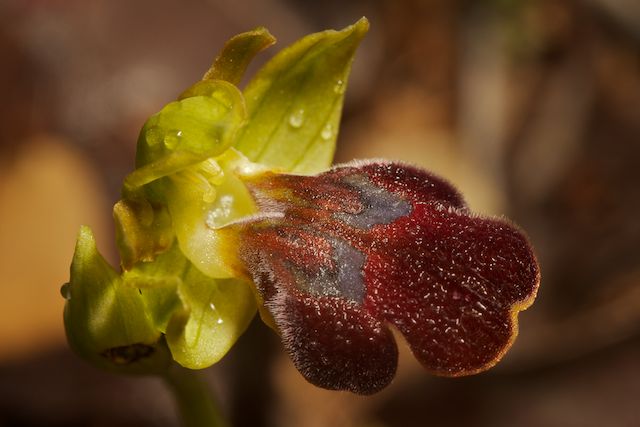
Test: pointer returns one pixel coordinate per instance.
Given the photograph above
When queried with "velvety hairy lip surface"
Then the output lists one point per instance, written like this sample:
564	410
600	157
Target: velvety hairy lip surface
365	245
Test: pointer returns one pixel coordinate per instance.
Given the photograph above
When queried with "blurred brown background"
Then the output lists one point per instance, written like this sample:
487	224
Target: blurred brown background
531	107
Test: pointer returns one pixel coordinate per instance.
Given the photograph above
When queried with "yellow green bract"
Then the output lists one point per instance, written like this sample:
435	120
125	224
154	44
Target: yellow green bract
179	295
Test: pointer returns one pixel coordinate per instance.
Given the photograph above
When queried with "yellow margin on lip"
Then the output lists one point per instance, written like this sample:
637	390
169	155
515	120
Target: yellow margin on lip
516	308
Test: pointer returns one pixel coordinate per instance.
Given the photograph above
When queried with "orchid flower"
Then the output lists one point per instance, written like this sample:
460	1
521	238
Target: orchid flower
232	207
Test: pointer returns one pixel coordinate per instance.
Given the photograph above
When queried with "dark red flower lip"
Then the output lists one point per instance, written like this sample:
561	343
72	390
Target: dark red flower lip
341	255
516	308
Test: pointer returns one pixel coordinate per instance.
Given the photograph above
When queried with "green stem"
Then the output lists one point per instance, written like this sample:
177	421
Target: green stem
196	405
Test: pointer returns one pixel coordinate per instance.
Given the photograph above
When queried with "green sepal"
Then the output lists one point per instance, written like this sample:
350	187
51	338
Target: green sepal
217	313
158	282
105	320
237	53
294	102
201	317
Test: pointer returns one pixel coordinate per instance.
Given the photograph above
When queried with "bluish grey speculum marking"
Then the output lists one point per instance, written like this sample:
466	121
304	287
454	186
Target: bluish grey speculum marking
379	205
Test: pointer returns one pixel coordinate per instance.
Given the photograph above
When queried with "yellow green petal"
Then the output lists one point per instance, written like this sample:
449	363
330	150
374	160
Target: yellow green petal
237	53
294	102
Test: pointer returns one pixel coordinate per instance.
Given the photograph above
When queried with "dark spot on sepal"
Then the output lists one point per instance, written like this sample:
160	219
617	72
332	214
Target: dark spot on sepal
128	354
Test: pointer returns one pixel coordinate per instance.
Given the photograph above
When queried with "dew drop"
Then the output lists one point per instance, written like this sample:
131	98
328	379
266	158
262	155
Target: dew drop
209	196
172	139
65	291
212	306
339	87
297	119
327	132
154	135
220	321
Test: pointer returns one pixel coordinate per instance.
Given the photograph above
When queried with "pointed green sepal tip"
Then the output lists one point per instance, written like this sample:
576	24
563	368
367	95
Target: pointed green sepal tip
295	101
237	53
105	320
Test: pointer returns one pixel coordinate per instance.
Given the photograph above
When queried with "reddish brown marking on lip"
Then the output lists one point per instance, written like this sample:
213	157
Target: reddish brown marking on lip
451	282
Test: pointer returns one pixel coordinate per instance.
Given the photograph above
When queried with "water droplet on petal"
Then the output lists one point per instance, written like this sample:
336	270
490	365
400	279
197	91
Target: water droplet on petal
212	306
172	139
327	132
220	321
154	135
65	291
339	87
297	119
